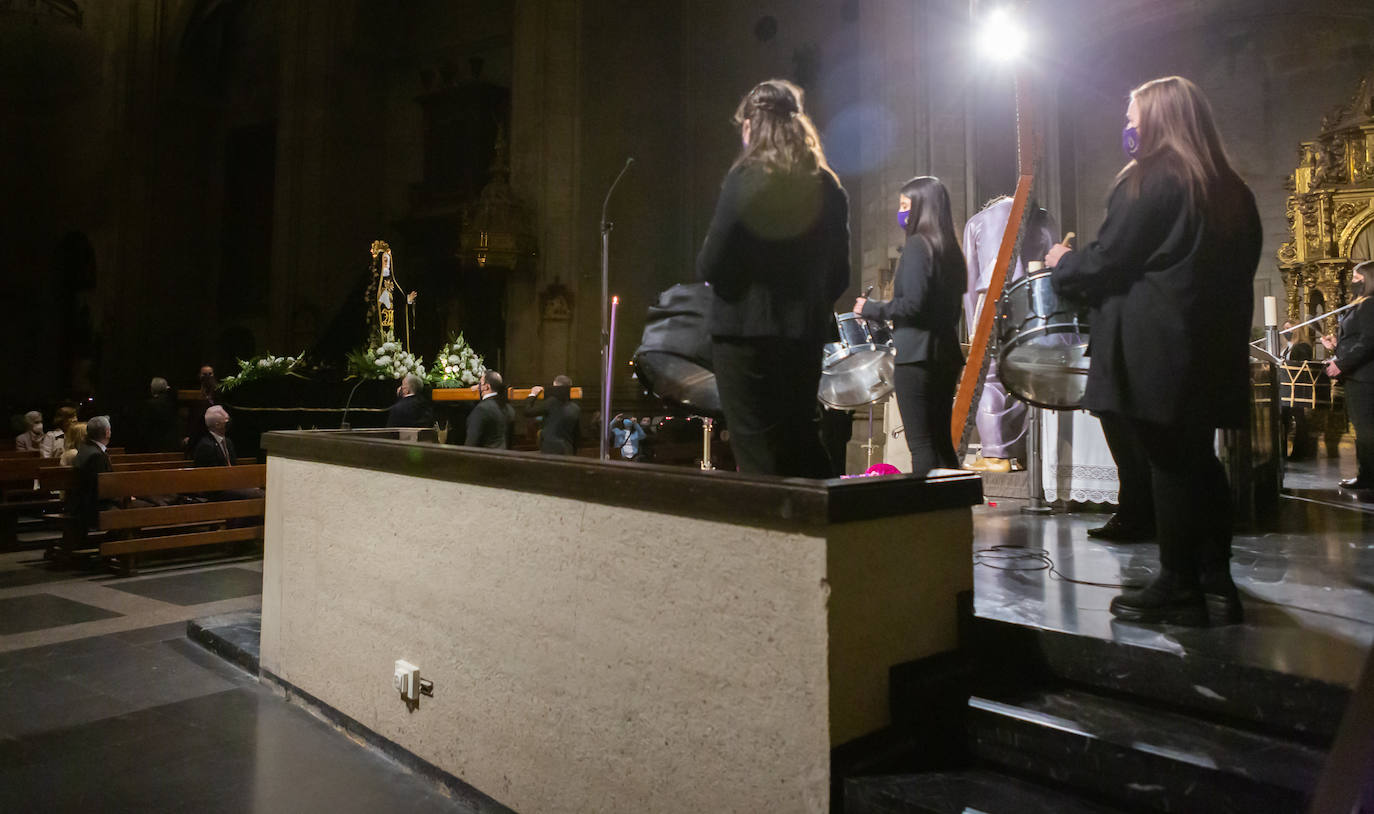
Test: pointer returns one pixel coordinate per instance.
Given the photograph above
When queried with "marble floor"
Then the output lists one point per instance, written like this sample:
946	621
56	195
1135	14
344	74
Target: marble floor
107	706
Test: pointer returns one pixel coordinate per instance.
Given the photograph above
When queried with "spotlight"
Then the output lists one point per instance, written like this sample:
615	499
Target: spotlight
1001	36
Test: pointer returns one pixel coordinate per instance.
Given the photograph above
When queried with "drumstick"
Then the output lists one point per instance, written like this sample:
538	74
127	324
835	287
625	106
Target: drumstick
868	291
1067	238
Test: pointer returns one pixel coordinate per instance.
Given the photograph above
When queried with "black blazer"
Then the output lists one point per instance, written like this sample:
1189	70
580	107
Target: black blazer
924	308
206	452
1172	291
489	424
1298	352
1355	343
562	428
83	500
776	255
411	411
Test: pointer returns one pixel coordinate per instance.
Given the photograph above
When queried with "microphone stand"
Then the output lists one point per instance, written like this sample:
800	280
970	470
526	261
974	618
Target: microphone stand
606	227
344	425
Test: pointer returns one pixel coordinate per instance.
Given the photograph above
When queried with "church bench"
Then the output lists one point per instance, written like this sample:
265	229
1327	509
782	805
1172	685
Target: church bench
131	531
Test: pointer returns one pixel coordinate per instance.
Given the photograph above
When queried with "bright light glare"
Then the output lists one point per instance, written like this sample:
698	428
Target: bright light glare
1001	36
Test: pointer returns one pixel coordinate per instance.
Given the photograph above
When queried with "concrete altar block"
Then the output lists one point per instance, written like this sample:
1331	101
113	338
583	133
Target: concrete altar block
610	637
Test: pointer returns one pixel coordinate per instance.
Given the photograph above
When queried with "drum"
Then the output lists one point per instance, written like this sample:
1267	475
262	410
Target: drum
857	370
1042	344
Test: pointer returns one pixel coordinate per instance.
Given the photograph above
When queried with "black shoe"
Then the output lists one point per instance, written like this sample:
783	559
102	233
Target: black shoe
1117	530
1357	483
1222	600
1164	601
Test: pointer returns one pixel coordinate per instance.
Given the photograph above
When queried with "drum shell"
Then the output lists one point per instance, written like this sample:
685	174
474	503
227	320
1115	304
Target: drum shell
1042	344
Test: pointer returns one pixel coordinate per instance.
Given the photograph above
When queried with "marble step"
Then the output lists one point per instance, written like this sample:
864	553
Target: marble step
1142	758
957	792
1270	699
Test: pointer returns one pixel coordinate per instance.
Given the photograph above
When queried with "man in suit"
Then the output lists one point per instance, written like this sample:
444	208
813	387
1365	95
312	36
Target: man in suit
490	421
562	427
411	409
215	448
159	425
83	500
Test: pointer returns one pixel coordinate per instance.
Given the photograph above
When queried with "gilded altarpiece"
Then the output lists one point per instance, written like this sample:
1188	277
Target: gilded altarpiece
1330	210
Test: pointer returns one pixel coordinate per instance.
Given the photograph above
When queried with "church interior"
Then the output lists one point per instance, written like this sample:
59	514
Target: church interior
243	237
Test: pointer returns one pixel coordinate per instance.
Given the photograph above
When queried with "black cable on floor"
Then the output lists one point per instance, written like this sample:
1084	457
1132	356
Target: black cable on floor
1034	559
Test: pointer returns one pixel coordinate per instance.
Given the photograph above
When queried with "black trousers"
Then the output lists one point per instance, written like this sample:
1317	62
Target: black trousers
1359	405
768	392
1135	502
1192	502
925	397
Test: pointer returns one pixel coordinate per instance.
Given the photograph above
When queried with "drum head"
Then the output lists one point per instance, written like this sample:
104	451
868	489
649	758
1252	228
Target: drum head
856	378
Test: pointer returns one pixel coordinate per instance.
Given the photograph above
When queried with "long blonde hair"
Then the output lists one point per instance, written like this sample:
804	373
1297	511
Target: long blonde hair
781	136
1178	136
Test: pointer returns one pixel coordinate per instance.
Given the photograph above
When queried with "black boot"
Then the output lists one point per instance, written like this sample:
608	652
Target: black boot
1123	530
1220	594
1166	600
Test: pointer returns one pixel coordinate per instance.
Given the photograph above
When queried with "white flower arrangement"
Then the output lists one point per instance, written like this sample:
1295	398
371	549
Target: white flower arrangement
385	361
261	367
456	365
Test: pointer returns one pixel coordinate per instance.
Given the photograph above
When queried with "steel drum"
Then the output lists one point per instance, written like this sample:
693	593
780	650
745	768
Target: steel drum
857	370
1042	344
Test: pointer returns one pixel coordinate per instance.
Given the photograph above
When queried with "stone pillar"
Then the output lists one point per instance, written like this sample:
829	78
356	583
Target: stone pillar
545	163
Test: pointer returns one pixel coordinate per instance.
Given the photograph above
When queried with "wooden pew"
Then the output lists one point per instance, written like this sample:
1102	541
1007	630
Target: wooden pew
129	532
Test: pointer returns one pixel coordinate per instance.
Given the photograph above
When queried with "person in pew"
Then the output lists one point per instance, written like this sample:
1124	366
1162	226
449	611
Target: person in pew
159	427
411	409
83	500
562	417
195	419
54	440
489	424
75	437
215	449
30	438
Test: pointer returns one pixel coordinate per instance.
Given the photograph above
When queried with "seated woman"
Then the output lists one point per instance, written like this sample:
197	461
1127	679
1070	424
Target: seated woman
75	437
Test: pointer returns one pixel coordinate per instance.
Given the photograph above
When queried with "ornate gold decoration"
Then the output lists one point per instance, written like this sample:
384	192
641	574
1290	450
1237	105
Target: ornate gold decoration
496	231
1331	202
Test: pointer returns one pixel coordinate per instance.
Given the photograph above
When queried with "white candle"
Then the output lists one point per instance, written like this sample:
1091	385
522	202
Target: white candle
1271	312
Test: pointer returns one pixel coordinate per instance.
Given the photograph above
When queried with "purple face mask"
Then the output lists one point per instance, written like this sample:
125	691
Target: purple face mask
1130	141
903	217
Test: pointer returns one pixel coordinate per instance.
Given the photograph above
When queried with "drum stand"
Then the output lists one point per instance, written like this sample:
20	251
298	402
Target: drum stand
1037	504
706	425
870	446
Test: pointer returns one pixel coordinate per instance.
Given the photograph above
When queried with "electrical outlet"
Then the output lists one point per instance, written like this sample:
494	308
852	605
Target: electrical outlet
406	680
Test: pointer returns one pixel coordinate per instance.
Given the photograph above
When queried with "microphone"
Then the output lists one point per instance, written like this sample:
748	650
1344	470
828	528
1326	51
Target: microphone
607	202
344	425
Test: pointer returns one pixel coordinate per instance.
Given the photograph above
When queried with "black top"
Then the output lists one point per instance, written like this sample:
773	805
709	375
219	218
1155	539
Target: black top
159	426
83	500
1172	291
208	453
562	428
776	255
1298	352
411	411
1355	345
489	424
924	308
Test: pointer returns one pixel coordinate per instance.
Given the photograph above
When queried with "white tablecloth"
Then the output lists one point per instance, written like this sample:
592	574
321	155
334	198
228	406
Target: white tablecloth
1074	459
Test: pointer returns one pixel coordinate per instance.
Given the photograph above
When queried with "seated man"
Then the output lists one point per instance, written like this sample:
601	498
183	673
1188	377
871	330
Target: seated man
30	439
215	448
562	427
411	409
490	421
83	500
160	427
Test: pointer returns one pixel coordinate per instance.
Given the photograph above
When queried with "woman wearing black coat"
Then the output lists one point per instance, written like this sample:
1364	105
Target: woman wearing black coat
776	258
1354	364
1171	278
927	294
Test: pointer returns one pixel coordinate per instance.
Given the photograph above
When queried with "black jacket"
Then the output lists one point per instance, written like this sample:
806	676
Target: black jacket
924	308
1355	344
207	453
776	255
562	428
159	426
411	411
83	500
1172	290
489	424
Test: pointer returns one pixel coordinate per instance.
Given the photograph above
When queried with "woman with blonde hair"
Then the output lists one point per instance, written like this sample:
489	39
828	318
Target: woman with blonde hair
75	437
1170	277
776	258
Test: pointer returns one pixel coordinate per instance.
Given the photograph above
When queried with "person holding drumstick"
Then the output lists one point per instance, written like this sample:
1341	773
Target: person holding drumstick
1171	276
927	295
1354	364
